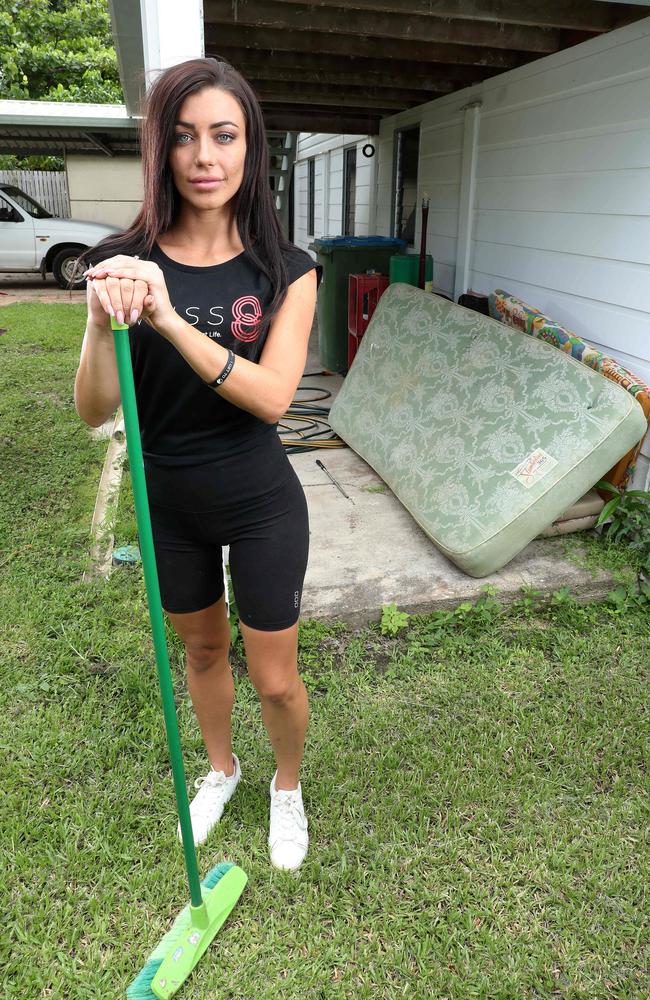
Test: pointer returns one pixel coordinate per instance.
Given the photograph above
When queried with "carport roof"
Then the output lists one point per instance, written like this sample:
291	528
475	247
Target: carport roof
51	128
326	66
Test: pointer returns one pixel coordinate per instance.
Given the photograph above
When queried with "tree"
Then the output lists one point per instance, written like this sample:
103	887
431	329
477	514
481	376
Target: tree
56	50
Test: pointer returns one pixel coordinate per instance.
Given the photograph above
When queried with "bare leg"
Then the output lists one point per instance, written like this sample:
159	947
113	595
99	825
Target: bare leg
206	635
272	659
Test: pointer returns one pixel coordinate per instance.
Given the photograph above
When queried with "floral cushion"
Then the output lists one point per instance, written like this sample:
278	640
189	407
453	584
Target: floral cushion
513	312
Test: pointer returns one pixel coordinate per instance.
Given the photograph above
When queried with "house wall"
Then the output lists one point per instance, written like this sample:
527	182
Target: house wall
328	153
105	189
561	215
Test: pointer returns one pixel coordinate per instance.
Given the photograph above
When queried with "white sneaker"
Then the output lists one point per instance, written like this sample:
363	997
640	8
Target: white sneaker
215	789
288	837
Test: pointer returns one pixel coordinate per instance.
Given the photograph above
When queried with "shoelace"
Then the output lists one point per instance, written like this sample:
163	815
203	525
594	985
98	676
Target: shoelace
213	779
288	815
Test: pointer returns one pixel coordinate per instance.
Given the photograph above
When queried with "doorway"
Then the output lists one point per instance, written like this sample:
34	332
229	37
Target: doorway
349	190
405	182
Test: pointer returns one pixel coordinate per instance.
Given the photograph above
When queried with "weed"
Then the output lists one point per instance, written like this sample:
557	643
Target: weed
527	602
625	519
392	619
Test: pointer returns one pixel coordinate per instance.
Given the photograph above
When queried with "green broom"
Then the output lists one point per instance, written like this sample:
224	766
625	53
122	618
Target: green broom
211	900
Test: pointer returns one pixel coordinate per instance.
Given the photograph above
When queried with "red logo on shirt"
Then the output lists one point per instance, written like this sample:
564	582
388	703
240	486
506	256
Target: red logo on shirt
246	315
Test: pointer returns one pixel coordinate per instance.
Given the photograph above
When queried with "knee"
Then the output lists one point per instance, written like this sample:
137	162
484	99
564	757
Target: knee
278	690
206	656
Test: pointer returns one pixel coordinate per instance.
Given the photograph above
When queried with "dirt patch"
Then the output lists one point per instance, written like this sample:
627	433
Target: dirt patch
16	288
43	397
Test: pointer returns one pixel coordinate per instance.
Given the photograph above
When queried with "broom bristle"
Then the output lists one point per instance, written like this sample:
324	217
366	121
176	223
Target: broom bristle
140	988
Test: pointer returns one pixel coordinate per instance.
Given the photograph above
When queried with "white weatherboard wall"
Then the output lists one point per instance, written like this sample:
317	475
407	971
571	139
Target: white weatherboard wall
561	216
328	177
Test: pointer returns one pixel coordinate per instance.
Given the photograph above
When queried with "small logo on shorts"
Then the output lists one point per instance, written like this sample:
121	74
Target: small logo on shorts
296	598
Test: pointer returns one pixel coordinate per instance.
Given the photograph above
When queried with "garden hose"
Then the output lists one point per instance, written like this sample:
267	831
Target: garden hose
308	423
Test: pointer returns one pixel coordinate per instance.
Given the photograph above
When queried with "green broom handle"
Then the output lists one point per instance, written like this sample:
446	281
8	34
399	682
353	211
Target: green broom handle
143	519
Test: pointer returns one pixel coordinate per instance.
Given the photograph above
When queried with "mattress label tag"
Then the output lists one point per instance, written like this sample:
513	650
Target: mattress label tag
533	468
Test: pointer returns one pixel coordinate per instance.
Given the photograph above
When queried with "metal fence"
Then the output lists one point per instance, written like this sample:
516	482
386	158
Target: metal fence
48	187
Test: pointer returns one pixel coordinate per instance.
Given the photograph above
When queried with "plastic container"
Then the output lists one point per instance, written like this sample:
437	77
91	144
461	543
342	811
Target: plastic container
126	555
340	257
364	292
405	267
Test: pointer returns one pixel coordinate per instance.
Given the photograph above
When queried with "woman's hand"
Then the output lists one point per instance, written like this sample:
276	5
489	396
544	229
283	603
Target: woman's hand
129	289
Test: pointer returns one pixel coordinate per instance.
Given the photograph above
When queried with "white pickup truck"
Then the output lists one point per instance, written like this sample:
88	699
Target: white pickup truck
31	239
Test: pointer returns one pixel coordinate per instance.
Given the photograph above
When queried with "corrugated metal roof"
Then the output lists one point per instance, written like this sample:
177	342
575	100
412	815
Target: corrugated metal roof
57	113
49	128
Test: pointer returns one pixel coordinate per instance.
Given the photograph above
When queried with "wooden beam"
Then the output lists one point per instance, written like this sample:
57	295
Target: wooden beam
317	43
353	97
99	143
284	66
327	120
581	14
302	17
267	75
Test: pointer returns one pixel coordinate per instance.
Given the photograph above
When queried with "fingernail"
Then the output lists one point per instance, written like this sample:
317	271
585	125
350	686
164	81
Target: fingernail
134	315
120	316
111	310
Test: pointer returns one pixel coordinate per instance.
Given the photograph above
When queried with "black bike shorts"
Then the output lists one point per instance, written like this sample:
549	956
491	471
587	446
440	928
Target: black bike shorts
253	502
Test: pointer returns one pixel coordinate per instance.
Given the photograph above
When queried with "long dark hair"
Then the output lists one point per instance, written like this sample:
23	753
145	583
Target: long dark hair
255	211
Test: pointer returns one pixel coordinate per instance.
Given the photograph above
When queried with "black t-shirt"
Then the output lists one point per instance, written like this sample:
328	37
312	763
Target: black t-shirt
182	420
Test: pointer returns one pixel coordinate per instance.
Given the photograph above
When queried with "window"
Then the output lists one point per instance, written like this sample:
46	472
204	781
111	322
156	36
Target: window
349	190
30	206
311	195
8	213
405	183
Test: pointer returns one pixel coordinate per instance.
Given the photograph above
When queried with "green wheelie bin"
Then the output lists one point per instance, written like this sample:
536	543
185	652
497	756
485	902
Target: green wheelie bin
340	257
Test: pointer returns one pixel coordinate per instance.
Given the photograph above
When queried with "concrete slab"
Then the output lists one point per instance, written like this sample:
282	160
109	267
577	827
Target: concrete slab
368	551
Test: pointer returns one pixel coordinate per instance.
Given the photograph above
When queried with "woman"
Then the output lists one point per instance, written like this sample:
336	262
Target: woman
220	309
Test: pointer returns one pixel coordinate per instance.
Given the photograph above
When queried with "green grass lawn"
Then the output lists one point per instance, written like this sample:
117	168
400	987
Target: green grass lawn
475	785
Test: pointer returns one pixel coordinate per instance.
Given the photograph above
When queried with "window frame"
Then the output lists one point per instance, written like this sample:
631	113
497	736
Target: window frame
397	154
346	192
311	196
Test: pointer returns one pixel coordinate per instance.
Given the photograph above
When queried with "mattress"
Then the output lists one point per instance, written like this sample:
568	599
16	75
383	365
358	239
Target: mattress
510	310
484	434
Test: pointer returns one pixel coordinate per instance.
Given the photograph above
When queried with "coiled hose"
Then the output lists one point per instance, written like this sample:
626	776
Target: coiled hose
305	425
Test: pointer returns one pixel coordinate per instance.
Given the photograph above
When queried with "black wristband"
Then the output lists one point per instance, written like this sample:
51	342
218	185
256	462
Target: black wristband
225	372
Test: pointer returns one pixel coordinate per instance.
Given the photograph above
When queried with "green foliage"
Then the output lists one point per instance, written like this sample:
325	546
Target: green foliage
392	620
530	597
438	625
628	517
626	520
32	163
56	50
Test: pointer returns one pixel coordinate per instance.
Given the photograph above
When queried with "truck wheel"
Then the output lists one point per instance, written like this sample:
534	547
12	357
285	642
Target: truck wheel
63	268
